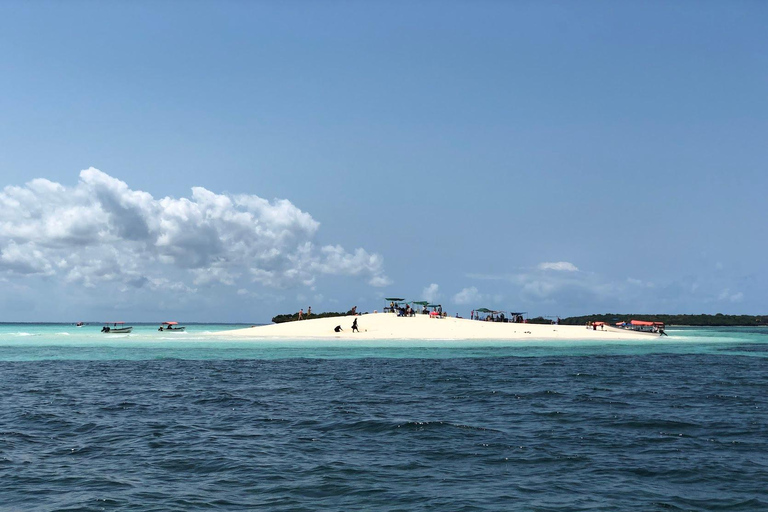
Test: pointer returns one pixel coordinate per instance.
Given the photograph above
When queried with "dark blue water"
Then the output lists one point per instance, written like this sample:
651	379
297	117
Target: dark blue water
589	432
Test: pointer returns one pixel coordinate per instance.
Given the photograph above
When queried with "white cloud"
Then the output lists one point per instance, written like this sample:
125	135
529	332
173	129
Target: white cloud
469	295
102	231
560	266
640	282
726	295
431	293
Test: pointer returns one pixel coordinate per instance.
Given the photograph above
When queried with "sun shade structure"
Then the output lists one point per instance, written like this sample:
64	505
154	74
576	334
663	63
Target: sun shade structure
170	323
642	322
485	310
395	304
420	302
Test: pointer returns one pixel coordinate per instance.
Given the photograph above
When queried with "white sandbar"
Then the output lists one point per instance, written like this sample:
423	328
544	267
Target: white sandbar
388	326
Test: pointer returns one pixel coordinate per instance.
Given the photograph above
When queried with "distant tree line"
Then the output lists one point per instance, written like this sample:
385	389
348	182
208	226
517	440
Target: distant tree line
292	317
540	320
718	320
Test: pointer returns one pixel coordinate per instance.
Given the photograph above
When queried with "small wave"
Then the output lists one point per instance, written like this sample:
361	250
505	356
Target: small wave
756	347
63	334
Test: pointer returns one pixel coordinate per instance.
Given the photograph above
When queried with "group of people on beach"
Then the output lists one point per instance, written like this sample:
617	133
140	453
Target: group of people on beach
407	310
301	313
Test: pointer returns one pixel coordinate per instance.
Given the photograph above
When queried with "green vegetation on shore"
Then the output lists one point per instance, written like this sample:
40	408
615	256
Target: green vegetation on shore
718	320
292	317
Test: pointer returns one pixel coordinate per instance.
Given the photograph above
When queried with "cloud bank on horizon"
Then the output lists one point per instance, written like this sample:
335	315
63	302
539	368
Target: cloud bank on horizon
102	231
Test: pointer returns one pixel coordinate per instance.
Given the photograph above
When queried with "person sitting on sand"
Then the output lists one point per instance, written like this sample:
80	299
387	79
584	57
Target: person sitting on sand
338	328
354	326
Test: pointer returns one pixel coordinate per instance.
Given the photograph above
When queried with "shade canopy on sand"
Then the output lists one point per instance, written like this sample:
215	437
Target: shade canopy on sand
485	310
393	299
420	302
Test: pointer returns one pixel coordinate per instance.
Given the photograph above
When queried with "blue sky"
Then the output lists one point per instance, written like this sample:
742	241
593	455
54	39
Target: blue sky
229	161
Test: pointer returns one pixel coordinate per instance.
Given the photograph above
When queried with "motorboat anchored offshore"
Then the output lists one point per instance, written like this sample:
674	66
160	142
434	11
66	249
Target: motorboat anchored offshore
171	326
116	328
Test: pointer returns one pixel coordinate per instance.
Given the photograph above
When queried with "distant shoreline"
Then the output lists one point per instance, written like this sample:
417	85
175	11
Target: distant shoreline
703	320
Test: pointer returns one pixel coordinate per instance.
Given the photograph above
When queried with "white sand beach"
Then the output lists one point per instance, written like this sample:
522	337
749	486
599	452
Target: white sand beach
381	326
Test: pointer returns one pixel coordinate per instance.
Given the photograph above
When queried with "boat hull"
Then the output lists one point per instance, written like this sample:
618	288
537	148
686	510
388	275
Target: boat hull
120	330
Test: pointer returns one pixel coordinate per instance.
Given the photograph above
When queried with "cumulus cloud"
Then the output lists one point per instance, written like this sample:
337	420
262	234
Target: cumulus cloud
431	293
101	230
560	266
469	295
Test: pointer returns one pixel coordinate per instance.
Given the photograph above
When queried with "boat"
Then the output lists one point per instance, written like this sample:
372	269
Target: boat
171	326
643	326
116	328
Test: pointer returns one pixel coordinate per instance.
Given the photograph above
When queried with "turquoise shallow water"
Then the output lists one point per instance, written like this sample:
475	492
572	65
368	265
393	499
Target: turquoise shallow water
19	342
183	421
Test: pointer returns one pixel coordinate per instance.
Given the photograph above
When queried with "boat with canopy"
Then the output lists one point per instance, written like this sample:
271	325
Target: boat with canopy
171	326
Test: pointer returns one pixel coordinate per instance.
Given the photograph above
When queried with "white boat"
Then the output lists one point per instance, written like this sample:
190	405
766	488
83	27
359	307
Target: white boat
116	328
171	326
643	326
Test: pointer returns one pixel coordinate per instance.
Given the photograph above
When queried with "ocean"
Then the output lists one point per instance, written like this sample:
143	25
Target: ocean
183	421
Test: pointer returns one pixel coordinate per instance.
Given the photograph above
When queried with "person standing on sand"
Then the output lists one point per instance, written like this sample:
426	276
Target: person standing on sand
309	311
301	313
354	326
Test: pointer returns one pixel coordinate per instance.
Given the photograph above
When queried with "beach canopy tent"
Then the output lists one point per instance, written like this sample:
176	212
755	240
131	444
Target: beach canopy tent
496	316
393	300
598	323
420	302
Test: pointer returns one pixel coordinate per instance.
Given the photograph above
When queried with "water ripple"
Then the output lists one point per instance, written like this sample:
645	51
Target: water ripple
672	432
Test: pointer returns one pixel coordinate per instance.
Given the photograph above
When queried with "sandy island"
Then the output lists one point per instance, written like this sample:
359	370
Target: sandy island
388	326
